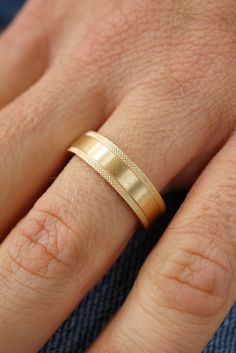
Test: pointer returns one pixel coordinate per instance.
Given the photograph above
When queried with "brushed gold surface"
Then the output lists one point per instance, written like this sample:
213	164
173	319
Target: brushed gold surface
121	173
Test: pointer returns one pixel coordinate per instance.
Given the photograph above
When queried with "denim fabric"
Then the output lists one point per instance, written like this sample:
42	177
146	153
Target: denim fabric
8	9
91	315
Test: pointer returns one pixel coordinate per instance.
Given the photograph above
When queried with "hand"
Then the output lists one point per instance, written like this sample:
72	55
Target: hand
159	79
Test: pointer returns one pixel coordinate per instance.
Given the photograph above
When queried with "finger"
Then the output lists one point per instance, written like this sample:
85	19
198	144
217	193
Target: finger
38	126
63	246
188	283
23	55
36	129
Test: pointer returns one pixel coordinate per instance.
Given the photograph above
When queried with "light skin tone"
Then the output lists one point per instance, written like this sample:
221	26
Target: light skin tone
159	79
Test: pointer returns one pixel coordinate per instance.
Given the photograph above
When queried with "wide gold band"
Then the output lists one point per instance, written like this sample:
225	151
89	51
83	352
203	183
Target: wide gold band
121	173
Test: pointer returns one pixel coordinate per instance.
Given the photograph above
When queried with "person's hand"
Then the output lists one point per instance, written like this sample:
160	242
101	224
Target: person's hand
159	79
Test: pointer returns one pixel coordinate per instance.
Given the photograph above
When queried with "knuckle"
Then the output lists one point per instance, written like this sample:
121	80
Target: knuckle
125	20
45	245
195	54
112	36
195	278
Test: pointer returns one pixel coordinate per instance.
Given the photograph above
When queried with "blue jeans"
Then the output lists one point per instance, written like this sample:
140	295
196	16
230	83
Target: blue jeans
91	315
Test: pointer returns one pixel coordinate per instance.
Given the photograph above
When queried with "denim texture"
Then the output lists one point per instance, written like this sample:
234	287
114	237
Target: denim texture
8	8
92	314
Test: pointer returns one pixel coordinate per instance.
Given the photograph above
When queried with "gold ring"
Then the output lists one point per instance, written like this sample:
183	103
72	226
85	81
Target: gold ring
122	174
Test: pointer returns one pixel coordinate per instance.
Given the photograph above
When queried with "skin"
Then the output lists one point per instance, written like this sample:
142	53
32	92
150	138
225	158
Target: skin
159	79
